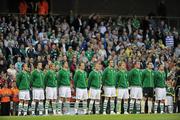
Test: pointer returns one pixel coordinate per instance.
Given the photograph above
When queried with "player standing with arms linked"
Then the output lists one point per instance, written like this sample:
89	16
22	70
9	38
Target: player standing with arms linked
148	87
94	85
160	88
23	83
38	89
109	82
135	82
64	87
51	88
81	87
122	88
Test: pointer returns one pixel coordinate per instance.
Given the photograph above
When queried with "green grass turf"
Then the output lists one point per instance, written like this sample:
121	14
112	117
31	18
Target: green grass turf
98	117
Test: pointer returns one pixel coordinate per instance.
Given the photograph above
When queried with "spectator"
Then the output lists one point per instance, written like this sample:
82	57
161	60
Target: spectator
23	7
169	40
43	7
177	51
5	94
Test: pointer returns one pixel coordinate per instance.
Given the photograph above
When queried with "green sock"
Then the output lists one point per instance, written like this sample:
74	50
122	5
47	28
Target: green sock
25	108
59	106
125	106
118	108
112	105
20	108
97	107
33	105
105	105
131	107
162	107
40	107
90	105
84	106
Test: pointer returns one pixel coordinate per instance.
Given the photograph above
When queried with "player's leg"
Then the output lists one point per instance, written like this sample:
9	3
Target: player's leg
169	104
145	97
112	105
54	100
79	96
60	100
20	108
21	97
25	107
97	101
150	104
150	99
112	100
49	93
107	95
118	106
97	106
34	101
120	93
157	98
41	99
92	96
133	93
66	101
26	101
162	99
139	99
84	99
162	106
126	97
91	102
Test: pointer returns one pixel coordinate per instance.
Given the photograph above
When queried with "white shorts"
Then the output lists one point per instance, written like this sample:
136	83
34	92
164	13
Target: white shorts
94	94
160	93
38	93
65	91
169	100
136	93
24	95
122	93
109	91
81	94
51	93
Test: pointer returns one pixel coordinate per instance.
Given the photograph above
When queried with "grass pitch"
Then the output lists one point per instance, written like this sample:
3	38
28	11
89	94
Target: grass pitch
98	117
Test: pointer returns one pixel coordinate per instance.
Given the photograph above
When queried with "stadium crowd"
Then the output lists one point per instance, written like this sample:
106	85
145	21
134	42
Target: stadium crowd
110	63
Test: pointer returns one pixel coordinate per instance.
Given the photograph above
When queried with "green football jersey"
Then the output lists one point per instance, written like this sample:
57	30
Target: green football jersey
50	79
63	77
122	79
80	79
37	79
94	79
148	78
135	77
23	80
109	77
160	78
